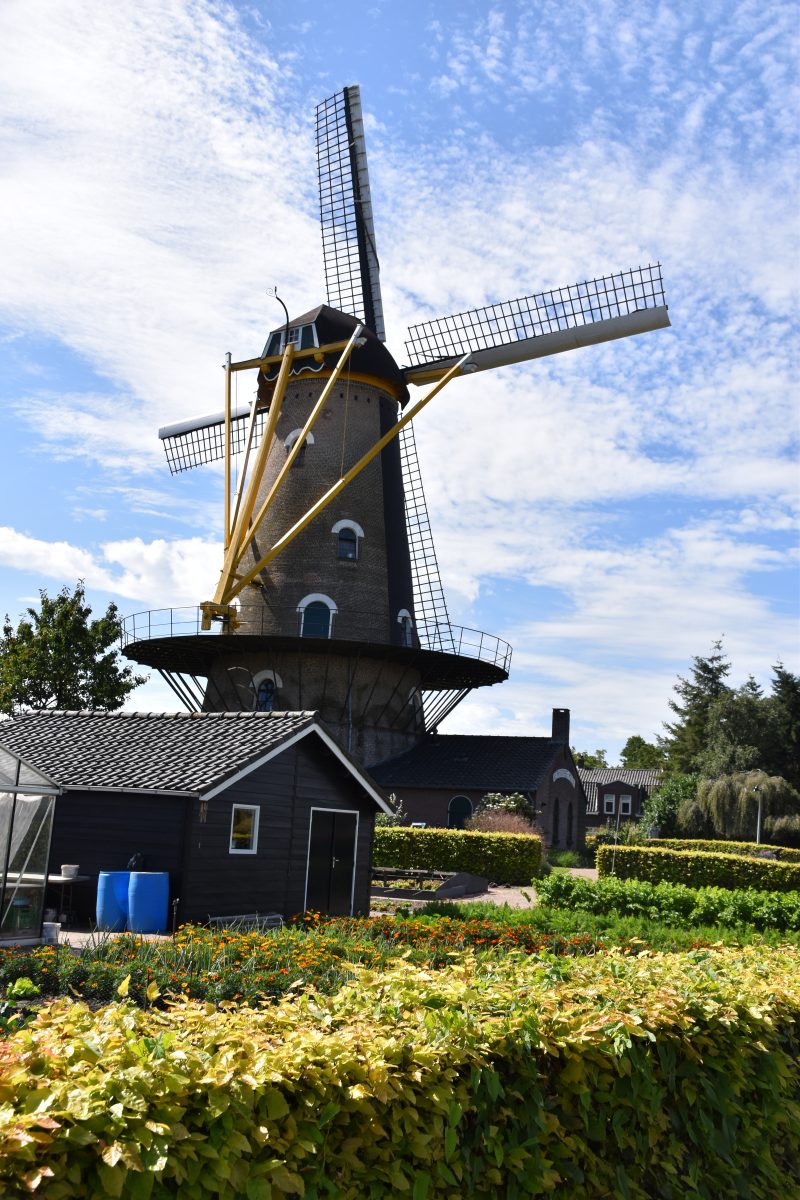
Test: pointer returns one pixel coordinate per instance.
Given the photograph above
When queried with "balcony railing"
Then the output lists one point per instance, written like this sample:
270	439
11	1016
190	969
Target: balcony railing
258	621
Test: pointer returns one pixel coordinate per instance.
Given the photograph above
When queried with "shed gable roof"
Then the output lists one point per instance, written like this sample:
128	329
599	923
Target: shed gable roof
183	753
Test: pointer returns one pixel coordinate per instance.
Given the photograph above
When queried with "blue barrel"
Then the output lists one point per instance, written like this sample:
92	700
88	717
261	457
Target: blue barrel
148	895
112	900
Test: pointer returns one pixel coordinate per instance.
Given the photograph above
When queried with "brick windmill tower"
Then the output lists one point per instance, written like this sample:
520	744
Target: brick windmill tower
329	597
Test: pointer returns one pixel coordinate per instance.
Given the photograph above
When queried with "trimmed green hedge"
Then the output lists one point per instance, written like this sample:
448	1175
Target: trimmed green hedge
509	858
696	869
749	849
671	1076
673	904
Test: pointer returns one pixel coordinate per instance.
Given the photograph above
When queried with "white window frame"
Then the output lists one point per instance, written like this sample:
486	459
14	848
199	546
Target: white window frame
313	598
292	437
612	799
406	621
625	806
254	808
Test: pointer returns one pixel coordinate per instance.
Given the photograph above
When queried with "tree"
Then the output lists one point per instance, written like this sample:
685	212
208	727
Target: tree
687	738
730	804
587	760
785	705
637	754
59	658
662	806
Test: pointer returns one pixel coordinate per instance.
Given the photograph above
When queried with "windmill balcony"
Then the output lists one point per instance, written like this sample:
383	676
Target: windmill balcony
257	621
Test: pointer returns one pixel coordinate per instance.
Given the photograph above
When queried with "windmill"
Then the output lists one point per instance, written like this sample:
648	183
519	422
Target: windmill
329	595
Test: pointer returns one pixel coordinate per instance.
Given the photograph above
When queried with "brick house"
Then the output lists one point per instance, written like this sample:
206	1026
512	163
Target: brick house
616	794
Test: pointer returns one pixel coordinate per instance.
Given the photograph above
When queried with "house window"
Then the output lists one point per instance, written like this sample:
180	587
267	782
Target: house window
458	811
316	615
609	805
244	829
265	696
625	803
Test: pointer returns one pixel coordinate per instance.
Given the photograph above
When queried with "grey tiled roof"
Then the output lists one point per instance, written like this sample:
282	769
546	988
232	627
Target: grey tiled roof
150	752
470	761
594	778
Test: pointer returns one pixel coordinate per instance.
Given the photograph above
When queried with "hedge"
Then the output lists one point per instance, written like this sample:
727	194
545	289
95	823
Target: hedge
696	869
509	858
671	1076
674	903
751	849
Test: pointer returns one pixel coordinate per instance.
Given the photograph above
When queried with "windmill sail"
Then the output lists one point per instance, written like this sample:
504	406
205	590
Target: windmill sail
583	314
201	440
430	606
348	234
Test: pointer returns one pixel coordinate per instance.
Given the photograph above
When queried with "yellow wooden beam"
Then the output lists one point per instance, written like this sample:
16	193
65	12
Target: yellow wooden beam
242	582
271	360
246	510
296	448
227	450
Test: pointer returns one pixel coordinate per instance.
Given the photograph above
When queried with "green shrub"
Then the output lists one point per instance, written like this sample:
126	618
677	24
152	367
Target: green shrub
749	849
696	869
674	903
501	857
673	1076
563	858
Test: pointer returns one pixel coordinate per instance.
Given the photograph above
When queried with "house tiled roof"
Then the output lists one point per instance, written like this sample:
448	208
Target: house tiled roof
469	762
593	778
186	753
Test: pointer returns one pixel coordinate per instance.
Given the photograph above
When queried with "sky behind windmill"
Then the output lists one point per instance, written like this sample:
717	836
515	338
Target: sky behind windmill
609	512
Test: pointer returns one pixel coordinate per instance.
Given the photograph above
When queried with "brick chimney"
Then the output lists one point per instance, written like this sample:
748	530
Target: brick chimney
560	725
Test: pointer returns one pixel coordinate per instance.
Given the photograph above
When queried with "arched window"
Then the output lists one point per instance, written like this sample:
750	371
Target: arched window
348	545
348	534
289	442
556	815
569	824
316	615
407	627
265	687
458	811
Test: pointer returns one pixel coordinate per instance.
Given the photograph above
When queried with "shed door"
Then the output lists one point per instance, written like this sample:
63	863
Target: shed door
331	861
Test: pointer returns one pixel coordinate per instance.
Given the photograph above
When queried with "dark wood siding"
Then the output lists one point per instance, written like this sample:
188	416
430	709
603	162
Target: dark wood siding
101	831
305	776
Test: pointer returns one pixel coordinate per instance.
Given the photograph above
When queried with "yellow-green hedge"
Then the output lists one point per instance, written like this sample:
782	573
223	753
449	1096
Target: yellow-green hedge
697	869
671	1076
501	857
781	853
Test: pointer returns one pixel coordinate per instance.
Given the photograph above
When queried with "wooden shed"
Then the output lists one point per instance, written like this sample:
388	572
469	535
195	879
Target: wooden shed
246	812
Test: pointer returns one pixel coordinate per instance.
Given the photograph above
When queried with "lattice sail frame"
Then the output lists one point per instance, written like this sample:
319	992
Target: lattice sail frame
604	299
194	443
352	270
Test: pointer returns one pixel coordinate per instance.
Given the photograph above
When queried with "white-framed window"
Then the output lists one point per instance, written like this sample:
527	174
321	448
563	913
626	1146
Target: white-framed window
348	539
289	442
625	805
316	615
459	810
244	829
265	688
404	619
609	805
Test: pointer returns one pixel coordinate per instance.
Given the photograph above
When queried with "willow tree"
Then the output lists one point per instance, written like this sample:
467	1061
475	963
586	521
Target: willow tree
729	805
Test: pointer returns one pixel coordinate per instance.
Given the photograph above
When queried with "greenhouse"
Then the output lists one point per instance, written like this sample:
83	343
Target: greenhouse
27	801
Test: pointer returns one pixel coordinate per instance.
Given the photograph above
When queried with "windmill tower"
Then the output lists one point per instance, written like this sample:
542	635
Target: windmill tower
329	596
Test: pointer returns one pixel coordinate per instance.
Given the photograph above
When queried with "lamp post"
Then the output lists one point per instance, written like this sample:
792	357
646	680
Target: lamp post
757	789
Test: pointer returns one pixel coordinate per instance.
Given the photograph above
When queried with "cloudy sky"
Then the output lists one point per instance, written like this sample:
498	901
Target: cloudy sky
609	512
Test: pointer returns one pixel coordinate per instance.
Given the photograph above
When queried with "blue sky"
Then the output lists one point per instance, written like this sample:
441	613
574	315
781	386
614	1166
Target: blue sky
609	512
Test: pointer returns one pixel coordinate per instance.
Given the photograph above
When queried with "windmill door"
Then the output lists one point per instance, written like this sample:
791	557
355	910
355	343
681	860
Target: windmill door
331	861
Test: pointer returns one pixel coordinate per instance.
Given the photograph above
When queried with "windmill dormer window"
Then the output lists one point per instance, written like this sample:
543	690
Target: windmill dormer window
348	535
316	616
302	337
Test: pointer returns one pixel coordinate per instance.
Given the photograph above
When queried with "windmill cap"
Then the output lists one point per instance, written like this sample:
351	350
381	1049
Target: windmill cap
330	325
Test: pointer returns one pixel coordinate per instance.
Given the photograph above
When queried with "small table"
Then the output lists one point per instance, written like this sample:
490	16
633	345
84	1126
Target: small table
66	882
